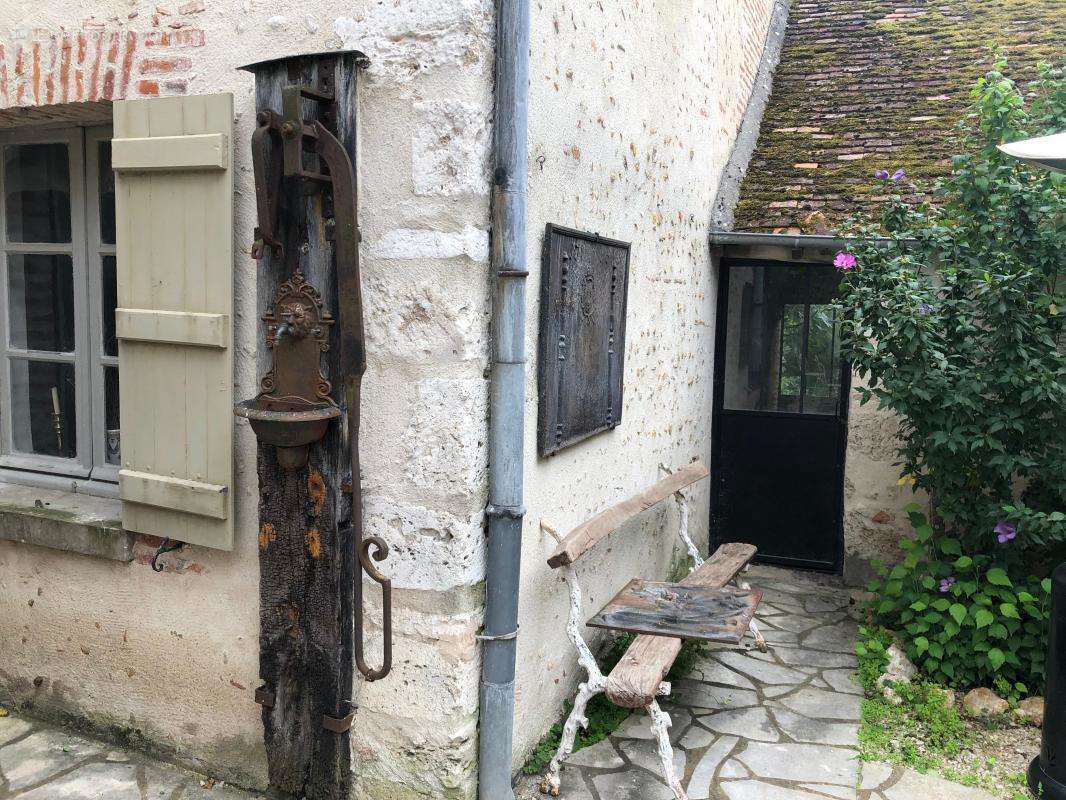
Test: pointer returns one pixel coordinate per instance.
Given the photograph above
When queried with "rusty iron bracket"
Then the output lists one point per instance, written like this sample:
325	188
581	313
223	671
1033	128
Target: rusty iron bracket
264	696
338	724
168	546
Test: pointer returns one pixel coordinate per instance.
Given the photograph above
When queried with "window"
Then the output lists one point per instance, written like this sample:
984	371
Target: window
58	352
782	343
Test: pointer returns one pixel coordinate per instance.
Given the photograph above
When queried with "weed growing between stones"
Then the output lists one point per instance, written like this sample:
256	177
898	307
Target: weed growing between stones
926	733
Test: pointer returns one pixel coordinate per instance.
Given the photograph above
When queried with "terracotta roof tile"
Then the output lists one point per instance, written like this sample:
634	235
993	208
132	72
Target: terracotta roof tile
877	84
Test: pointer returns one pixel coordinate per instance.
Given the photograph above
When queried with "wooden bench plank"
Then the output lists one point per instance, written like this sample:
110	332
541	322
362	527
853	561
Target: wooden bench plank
634	681
587	535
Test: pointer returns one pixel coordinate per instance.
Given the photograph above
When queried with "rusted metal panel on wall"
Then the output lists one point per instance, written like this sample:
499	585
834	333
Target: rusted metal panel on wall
584	282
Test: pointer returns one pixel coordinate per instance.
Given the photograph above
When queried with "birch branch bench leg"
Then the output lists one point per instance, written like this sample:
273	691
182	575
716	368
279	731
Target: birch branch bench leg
663	615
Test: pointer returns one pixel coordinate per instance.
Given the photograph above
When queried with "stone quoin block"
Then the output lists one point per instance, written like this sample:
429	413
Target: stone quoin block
445	442
450	149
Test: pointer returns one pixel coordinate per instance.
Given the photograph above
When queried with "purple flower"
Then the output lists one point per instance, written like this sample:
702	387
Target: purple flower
925	308
946	584
844	261
898	175
1004	531
881	174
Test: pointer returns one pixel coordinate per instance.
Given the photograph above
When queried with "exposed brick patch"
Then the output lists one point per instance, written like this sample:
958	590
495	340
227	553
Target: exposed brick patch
188	37
160	66
97	60
883	80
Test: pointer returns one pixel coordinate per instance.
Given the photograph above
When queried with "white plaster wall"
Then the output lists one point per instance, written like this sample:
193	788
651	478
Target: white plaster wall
633	110
172	659
874	496
634	107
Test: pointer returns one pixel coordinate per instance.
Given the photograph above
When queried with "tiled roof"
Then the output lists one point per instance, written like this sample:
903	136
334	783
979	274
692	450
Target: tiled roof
871	84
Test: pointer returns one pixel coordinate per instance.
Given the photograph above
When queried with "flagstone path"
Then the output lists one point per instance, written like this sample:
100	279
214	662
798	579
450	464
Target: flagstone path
781	725
39	762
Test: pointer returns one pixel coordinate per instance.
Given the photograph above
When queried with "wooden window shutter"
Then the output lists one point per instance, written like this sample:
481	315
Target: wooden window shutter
174	210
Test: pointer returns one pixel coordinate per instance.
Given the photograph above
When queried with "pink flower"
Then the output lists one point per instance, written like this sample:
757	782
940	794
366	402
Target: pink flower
946	584
1004	531
844	261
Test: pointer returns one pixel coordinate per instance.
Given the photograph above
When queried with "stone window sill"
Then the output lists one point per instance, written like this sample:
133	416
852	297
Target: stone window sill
76	523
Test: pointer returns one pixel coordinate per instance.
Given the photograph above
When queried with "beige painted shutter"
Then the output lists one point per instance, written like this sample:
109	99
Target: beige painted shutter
174	211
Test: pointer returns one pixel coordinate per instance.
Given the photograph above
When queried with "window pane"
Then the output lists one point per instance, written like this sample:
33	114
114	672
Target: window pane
791	358
108	284
107	194
823	363
769	363
37	192
41	302
112	434
43	408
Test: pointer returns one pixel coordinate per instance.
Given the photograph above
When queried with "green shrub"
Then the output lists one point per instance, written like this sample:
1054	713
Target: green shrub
952	315
964	620
950	311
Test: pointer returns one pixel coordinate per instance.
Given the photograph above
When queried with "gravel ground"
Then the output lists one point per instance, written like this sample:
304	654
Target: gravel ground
998	758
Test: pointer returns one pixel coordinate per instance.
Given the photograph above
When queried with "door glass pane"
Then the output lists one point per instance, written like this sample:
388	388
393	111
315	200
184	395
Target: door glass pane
37	192
43	408
782	351
822	389
108	289
112	434
106	189
40	291
789	373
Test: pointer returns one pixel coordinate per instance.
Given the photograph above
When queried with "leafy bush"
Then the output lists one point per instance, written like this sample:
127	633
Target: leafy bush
952	317
964	620
950	312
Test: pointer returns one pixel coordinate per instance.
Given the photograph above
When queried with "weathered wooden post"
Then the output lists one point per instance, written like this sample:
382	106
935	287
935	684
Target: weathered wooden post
309	513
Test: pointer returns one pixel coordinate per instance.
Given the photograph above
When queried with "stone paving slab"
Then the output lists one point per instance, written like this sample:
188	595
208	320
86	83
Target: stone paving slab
781	725
747	725
40	762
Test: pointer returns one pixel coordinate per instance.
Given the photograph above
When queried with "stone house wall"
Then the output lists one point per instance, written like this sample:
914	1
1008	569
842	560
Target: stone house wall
633	111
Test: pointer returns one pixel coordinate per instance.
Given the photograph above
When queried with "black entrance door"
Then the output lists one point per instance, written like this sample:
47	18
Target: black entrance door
780	406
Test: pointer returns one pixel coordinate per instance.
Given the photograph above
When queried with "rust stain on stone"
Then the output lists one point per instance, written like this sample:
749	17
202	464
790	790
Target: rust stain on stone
316	487
314	542
267	534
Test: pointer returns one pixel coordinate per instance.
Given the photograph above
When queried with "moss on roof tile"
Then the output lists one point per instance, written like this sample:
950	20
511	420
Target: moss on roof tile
876	84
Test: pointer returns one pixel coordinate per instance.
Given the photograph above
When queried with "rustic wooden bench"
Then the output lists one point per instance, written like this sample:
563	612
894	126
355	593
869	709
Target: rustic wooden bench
637	679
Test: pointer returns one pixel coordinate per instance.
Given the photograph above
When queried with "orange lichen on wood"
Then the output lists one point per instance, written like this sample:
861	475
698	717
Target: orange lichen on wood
267	534
314	542
316	487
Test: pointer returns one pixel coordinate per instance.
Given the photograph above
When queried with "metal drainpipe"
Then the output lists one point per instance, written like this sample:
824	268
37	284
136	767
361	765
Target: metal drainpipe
506	401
